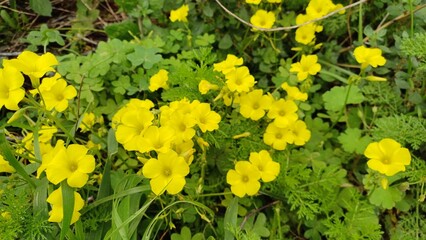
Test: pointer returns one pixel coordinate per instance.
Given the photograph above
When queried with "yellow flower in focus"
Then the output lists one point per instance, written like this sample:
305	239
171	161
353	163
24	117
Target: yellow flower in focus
159	80
57	212
228	64
133	124
255	2
268	169
180	14
166	173
387	156
369	56
183	126
205	86
300	133
293	93
158	139
11	91
5	166
239	80
133	104
319	8
263	19
206	119
306	33
56	93
283	112
71	163
307	66
244	179
33	65
277	137
254	104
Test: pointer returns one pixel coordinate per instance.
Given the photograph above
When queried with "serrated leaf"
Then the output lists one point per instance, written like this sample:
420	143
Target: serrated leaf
352	141
334	99
385	198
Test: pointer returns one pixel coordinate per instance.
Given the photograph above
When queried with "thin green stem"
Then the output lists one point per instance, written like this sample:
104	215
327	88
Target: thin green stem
349	73
325	72
360	31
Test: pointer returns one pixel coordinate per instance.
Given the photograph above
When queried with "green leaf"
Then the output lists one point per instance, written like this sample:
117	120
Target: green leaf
259	226
205	40
225	42
334	99
385	198
230	220
146	56
352	141
42	7
68	208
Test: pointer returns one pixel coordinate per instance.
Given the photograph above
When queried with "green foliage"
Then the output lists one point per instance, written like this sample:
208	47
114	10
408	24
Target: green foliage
42	7
415	46
335	99
352	141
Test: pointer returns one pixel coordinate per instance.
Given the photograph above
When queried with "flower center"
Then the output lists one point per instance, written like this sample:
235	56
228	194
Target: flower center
281	113
167	172
245	178
278	136
73	167
60	97
260	167
386	160
256	106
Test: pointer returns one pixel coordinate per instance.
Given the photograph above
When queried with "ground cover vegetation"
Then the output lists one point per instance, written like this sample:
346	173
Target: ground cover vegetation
207	119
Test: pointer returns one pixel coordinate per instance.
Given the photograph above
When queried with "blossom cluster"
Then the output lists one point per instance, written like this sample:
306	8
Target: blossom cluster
169	132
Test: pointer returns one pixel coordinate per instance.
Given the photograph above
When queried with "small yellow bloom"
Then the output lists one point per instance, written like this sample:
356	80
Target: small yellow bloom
277	137
11	91
5	166
255	2
384	182
133	104
205	86
183	126
159	80
56	93
158	139
300	133
254	104
268	169
57	212
185	150
239	80
283	112
307	66
263	19
180	14
293	93
369	56
166	173
71	163
6	215
375	79
319	8
228	64
387	156
244	179
88	121
274	1
33	65
206	119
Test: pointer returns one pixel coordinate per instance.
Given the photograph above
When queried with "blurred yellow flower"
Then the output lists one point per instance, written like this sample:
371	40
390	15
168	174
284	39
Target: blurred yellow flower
159	80
300	133
166	173
205	118
33	65
239	80
387	156
263	19
268	169
158	139
307	66
57	212
255	2
277	137
5	166
11	91
244	179
228	64
205	86
293	93
369	56
283	112
180	14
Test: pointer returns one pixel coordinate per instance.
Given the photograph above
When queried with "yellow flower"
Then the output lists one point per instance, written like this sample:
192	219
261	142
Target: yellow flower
300	133
88	121
185	150
158	139
45	136
166	173
159	80
5	166
244	179
239	80
11	91
306	33
263	19
283	112
180	14
183	126
206	119
56	93
71	163
274	1
133	124
133	104
369	56
319	8
277	137
255	2
375	79
205	86
307	66
293	93
33	65
228	64
57	212
254	104
387	156
268	169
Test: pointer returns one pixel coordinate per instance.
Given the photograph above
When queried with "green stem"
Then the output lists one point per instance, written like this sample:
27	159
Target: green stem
360	31
325	72
331	65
